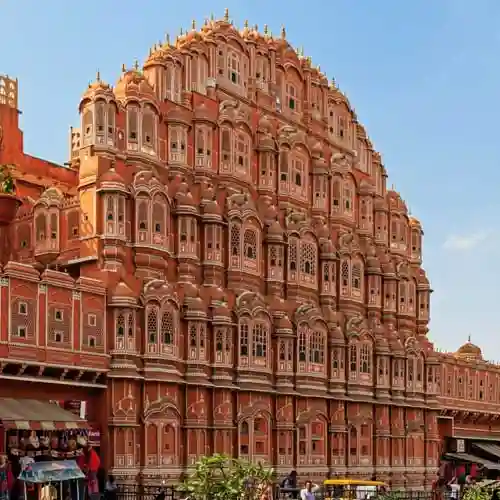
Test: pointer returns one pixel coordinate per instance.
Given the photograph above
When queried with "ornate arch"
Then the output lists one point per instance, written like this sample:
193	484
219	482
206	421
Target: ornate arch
164	406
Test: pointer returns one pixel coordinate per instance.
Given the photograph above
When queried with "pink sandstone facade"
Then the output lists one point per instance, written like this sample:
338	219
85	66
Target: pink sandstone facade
221	268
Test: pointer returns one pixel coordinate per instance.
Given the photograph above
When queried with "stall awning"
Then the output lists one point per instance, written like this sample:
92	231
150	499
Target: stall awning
466	457
31	414
490	448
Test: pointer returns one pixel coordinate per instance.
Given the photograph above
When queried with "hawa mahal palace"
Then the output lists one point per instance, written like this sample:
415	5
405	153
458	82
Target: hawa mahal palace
220	267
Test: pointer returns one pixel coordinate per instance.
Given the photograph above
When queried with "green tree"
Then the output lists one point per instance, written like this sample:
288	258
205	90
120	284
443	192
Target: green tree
220	477
481	491
7	185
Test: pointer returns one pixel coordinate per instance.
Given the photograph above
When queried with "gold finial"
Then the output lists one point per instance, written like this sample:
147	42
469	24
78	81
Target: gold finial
468	339
193	25
168	39
124	69
266	30
245	25
256	27
319	68
334	83
205	22
182	32
212	17
283	32
98	76
226	15
136	65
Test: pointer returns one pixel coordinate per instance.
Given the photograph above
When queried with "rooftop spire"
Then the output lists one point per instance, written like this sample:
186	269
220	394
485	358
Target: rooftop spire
193	25
283	32
98	76
266	30
136	65
226	15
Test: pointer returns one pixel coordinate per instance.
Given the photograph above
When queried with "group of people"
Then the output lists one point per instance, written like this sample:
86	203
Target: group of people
90	488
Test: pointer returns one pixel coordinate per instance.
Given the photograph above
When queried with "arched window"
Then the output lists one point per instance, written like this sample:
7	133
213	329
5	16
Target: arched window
203	147
361	360
143	227
235	245
242	152
250	250
159	219
311	349
234	70
226	149
162	328
348	197
336	195
173	82
148	130
284	171
299	184
100	121
88	125
132	127
111	130
254	338
177	144
352	278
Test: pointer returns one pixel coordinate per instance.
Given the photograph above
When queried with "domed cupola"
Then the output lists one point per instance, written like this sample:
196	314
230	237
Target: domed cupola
469	352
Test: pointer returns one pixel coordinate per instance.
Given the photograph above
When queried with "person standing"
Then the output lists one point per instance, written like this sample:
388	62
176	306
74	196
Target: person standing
110	488
6	478
306	493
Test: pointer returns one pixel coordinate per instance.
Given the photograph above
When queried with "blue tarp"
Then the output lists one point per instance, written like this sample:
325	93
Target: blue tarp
51	472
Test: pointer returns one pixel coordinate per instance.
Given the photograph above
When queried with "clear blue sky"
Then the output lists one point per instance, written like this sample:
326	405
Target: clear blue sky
423	76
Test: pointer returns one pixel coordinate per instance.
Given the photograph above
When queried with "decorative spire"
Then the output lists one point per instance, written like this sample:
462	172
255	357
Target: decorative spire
136	65
124	69
266	30
245	24
182	32
283	33
256	27
193	25
212	17
167	39
98	76
226	15
468	340
334	83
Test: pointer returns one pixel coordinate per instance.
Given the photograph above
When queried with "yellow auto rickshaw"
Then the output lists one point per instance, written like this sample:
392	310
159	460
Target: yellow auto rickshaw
352	489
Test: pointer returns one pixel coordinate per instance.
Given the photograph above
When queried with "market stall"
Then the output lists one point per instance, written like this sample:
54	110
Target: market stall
51	480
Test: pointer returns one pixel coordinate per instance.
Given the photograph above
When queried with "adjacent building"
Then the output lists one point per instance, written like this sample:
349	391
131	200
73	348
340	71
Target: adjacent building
223	268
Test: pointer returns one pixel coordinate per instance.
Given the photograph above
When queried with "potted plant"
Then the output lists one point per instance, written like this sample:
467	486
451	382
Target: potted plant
9	202
220	477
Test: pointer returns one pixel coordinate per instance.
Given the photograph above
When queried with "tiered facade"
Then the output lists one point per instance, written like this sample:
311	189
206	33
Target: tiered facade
264	290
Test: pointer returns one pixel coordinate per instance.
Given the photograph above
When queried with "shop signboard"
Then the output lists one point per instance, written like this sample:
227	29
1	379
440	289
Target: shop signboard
94	437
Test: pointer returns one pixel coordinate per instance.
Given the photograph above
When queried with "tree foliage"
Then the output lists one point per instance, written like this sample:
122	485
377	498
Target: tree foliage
7	185
220	477
486	490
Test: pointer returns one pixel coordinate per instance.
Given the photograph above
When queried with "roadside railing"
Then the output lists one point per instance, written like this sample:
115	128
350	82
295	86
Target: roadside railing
170	492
